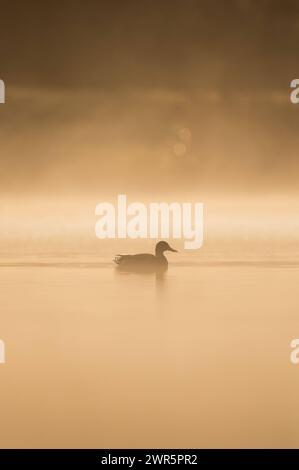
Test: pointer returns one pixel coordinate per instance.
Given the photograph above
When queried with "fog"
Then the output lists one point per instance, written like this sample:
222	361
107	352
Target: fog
99	95
149	140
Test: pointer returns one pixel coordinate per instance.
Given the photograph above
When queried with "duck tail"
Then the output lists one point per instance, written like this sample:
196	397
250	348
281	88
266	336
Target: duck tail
118	259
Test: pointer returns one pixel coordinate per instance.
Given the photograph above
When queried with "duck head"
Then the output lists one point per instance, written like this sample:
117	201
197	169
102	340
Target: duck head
163	246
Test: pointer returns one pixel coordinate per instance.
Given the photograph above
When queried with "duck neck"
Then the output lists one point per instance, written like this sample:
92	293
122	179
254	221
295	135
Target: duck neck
160	253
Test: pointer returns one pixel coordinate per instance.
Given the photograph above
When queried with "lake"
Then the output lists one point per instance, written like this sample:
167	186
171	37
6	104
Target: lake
200	358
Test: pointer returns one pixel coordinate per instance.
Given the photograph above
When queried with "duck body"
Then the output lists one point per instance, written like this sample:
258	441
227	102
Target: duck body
145	262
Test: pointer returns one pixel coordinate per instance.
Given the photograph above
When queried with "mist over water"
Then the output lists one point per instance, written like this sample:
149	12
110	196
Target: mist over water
258	227
148	139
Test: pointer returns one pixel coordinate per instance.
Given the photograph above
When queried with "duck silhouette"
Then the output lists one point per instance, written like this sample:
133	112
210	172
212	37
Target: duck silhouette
145	262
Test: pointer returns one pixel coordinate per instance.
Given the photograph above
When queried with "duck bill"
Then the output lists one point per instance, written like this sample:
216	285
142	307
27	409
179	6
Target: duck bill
172	249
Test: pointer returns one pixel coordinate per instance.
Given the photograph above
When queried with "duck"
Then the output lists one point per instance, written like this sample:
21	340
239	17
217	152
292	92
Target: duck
145	262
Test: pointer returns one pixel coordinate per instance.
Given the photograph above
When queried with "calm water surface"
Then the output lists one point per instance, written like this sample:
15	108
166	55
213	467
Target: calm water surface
200	358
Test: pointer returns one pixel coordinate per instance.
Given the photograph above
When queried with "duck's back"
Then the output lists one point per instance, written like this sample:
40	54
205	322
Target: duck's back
141	262
142	258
